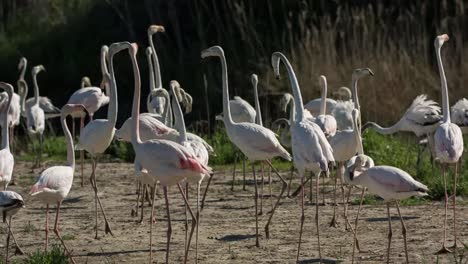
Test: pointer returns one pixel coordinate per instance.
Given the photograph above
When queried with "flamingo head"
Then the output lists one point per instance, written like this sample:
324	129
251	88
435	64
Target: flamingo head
85	82
284	101
212	52
22	63
117	47
344	93
359	73
440	40
37	69
275	60
254	79
154	29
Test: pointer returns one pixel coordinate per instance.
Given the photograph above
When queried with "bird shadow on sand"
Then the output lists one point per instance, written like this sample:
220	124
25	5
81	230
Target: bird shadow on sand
232	238
112	253
394	218
73	200
326	261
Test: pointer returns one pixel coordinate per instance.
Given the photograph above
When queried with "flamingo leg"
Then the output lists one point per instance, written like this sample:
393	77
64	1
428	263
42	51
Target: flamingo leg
355	240
47	228
261	190
194	222
310	188
57	233
347	223
151	226
234	171
198	221
169	225
283	189
444	249
455	206
186	216
96	196
243	172
301	221
403	230
317	214
333	222
389	232
290	180
7	244
82	152
142	204
205	192
323	191
257	243
138	191
39	154
296	192
18	249
270	187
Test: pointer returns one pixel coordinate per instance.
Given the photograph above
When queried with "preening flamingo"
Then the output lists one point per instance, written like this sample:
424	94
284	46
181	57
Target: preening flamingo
392	184
310	148
7	161
97	135
54	183
448	140
35	117
92	98
10	203
255	142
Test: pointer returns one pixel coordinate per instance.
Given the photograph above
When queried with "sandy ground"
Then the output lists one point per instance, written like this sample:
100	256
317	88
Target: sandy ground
227	230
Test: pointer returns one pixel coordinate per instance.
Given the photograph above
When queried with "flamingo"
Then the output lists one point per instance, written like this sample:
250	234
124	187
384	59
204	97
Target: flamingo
392	184
10	203
7	161
35	117
448	141
97	135
343	93
54	183
342	110
256	142
459	114
345	144
311	150
198	150
161	160
92	98
14	112
326	122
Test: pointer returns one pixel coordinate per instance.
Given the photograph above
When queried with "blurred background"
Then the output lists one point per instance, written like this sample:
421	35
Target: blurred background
393	38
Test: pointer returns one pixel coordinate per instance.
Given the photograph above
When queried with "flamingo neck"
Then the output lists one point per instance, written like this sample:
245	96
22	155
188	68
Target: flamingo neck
323	101
36	89
157	71
226	107
105	70
167	114
382	130
5	134
258	115
354	93
358	138
23	71
292	110
23	92
443	81
136	103
179	118
298	113
69	141
113	102
151	88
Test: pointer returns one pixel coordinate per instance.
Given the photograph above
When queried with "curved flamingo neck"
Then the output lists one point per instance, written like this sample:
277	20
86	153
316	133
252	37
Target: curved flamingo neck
69	141
113	102
23	70
292	103
36	89
354	93
443	81
298	114
23	93
258	116
383	130
157	71
226	108
179	117
136	102
167	114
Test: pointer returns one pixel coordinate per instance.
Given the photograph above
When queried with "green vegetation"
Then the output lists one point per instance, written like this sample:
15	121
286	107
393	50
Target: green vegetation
54	256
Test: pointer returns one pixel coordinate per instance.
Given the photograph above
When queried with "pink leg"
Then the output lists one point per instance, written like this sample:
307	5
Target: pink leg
355	240
18	250
57	233
205	192
317	214
389	232
257	243
333	222
302	219
169	225
151	225
455	205
96	197
283	189
261	189
82	152
47	228
194	222
403	230
444	249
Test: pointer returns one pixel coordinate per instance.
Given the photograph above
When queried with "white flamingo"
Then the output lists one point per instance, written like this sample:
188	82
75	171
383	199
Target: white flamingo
325	121
35	117
448	141
393	185
50	111
198	150
13	114
160	160
54	183
459	114
255	142
10	203
314	106
345	144
342	110
92	98
7	161
97	135
310	148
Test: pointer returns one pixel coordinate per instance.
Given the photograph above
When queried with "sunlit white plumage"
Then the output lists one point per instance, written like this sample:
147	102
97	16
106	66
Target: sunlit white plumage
7	161
459	114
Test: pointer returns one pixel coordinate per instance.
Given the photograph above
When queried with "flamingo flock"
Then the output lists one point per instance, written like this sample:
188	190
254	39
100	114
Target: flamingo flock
321	136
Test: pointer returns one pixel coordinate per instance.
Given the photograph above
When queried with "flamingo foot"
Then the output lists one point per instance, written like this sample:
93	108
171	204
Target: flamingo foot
18	251
443	250
108	229
134	213
334	222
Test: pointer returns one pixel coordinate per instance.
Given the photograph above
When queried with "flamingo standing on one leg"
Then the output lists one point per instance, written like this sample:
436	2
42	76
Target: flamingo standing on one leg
54	183
448	141
162	160
97	135
255	141
10	203
311	150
